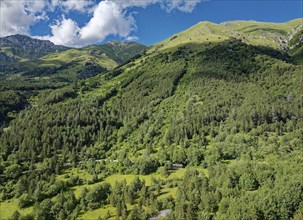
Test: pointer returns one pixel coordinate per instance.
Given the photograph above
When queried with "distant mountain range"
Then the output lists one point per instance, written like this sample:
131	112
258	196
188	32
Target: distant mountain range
18	47
22	54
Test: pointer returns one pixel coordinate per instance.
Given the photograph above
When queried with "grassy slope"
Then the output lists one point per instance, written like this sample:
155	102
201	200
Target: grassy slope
119	51
255	33
7	209
108	55
74	55
260	28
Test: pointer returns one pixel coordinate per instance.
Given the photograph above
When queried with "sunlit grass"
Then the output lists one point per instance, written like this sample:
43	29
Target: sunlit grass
8	207
101	212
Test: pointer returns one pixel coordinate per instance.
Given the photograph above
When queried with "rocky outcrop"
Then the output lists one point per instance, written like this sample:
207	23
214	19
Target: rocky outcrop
295	37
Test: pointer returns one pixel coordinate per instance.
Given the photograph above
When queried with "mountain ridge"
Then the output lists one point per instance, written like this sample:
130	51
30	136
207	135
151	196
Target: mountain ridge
22	46
37	58
205	31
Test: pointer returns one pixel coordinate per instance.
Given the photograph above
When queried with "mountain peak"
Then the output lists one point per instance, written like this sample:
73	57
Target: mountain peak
122	51
120	43
19	40
25	47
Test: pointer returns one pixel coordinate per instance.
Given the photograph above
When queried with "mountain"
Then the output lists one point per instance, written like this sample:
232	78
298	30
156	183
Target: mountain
275	35
36	58
20	48
81	63
203	125
16	47
23	47
120	52
27	75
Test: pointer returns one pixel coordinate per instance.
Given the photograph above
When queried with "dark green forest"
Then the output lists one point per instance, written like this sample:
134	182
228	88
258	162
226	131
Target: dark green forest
229	113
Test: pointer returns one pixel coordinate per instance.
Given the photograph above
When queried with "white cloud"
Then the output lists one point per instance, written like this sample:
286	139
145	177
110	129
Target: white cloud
135	3
181	5
77	5
64	32
72	5
109	17
16	17
131	38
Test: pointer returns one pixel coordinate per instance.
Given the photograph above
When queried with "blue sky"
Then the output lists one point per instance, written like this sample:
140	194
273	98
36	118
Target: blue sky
82	22
153	28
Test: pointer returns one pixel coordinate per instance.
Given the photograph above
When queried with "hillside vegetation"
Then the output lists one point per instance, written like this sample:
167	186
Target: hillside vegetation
200	126
23	78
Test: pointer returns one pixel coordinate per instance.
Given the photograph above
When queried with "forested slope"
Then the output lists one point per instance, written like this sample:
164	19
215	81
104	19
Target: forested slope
228	111
40	65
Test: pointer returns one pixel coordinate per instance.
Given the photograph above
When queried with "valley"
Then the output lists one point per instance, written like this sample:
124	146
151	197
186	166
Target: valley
207	124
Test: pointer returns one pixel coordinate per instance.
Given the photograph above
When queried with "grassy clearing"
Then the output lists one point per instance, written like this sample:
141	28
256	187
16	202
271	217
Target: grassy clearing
94	214
112	179
129	178
166	192
78	189
7	209
107	211
83	174
175	174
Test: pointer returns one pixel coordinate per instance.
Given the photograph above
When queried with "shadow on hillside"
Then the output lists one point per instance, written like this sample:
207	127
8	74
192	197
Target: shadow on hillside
228	60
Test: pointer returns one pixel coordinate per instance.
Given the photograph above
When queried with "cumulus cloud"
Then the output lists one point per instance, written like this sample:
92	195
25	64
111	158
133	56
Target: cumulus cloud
64	32
109	17
181	5
17	17
131	38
